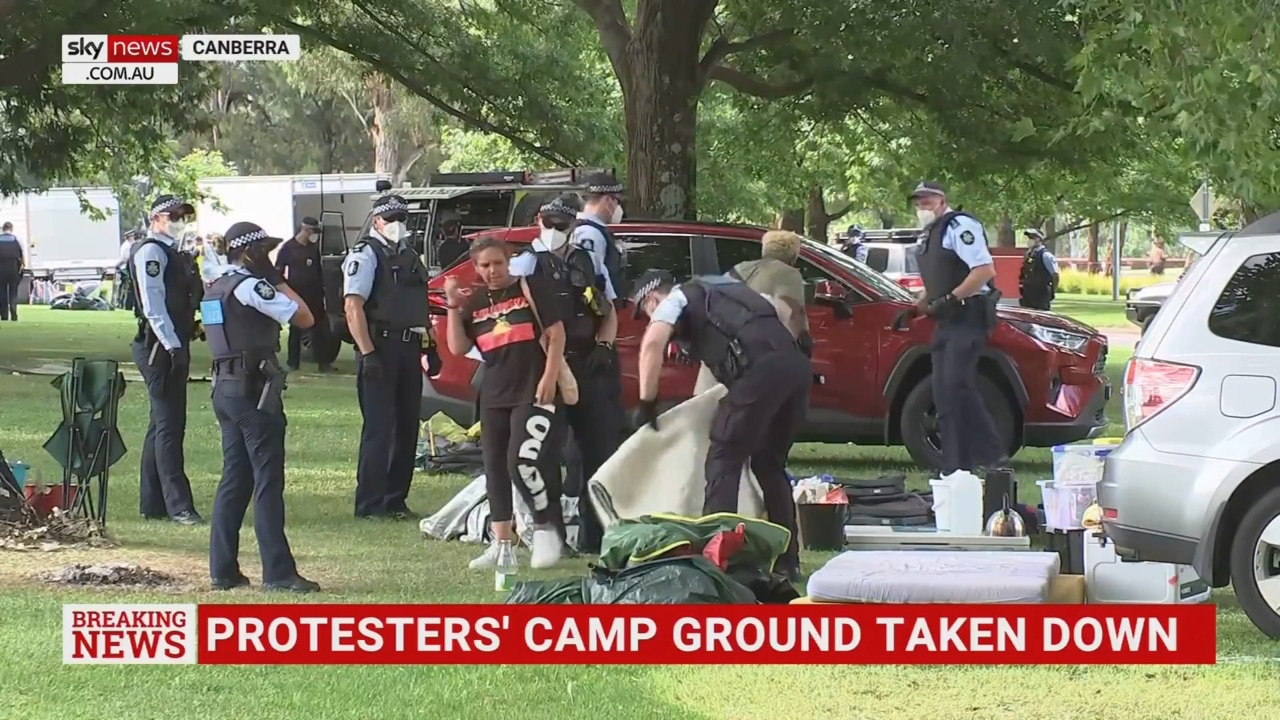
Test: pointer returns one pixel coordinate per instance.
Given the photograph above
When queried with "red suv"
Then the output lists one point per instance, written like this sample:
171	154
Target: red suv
1043	375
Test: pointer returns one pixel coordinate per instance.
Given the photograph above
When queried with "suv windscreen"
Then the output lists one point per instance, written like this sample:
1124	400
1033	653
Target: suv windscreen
872	279
1248	310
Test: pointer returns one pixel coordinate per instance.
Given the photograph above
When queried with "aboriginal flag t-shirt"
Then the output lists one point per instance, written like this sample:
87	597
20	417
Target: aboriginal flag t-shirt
505	330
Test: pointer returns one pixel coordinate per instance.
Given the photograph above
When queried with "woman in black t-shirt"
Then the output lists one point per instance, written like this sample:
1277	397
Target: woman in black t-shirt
508	320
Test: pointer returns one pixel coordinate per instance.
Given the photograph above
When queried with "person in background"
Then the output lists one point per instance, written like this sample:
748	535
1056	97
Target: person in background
212	257
12	263
165	291
243	310
958	273
603	207
590	324
508	321
737	333
299	262
385	302
449	243
1038	280
122	287
854	246
1157	257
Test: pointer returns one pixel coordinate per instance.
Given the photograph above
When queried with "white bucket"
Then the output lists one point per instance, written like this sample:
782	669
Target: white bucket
957	503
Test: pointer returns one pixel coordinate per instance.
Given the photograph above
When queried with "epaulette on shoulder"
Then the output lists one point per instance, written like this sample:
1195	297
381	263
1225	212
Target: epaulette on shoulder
359	246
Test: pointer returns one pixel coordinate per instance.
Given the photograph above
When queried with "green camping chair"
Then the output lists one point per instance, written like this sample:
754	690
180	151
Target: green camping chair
88	443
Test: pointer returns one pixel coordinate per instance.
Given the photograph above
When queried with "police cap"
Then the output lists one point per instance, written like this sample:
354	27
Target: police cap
649	282
243	234
171	205
391	208
566	206
1033	233
928	189
603	184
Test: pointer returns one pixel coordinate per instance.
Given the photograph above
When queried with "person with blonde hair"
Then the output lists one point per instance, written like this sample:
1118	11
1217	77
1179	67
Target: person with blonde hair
212	257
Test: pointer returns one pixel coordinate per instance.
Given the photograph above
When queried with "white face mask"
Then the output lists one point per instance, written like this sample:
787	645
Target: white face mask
617	215
176	229
926	217
553	239
393	231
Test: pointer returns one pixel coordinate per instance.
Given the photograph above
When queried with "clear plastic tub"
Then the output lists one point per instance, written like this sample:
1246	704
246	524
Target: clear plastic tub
1080	464
1065	505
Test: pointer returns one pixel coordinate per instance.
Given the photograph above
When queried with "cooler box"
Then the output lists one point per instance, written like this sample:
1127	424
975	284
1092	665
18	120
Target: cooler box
1109	580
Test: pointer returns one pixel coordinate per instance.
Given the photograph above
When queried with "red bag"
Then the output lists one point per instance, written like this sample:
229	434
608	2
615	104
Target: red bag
724	545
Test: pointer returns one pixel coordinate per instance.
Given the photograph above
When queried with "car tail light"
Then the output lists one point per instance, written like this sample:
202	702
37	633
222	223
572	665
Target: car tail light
1153	385
911	282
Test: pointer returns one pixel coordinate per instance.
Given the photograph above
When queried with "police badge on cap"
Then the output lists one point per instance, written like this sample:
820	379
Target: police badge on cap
391	208
927	189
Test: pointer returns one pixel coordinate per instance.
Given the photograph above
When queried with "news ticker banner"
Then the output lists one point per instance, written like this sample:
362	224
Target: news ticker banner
153	59
324	634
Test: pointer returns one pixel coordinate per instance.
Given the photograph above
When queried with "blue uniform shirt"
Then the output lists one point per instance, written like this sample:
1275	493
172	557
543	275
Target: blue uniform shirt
1050	262
671	307
280	307
594	242
966	238
11	238
149	265
360	266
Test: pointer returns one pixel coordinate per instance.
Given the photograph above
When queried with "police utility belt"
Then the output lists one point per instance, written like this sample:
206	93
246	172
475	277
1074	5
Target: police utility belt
973	310
406	335
258	377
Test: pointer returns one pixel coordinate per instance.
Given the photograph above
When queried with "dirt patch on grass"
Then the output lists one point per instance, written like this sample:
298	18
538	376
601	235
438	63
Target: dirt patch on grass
183	572
111	574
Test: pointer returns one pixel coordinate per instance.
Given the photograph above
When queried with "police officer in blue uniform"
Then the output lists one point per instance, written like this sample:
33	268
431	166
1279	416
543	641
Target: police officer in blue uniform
603	207
11	265
591	323
959	294
385	302
165	292
1038	279
736	332
243	311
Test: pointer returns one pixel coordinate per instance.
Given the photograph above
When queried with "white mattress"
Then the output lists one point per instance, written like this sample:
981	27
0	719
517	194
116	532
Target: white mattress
935	576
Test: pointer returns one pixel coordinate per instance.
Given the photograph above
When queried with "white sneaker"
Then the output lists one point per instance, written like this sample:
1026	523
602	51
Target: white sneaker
547	549
488	559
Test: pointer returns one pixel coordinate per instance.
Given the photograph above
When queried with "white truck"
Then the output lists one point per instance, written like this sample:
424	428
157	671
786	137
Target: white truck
279	202
62	241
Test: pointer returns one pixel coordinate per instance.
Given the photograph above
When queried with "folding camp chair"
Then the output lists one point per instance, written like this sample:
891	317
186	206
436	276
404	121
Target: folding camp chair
87	442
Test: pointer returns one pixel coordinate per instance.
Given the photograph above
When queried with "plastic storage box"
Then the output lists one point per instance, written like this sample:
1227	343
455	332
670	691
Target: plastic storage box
1110	580
1065	505
1081	464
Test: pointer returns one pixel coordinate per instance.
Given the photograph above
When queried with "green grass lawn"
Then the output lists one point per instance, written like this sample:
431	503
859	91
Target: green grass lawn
1097	311
385	563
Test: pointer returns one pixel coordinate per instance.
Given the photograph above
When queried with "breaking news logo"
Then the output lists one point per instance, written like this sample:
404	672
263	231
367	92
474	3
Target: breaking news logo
153	59
321	634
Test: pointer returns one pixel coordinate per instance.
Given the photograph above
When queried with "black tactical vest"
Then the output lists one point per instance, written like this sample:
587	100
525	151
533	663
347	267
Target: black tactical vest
729	325
398	300
942	271
575	273
1034	279
243	332
614	262
182	290
10	250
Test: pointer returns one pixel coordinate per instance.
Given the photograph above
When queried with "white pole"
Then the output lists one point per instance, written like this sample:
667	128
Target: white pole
1116	252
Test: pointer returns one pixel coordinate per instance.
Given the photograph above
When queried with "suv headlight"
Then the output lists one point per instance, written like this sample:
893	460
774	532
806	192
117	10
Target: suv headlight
1053	336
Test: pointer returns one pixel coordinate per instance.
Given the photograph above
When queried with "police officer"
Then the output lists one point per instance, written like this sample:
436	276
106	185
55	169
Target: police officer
854	246
299	261
590	326
449	245
165	289
736	332
958	272
243	311
385	302
1038	279
603	207
11	265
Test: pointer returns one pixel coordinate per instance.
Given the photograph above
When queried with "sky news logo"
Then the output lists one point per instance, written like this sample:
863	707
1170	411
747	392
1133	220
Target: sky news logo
153	59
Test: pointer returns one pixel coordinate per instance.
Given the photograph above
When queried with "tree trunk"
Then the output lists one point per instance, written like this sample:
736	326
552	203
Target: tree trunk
660	88
1121	233
1093	249
1005	236
887	218
790	219
1051	227
386	144
817	219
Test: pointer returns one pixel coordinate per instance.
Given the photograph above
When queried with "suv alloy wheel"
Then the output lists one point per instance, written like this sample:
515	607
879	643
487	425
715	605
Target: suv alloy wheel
1255	563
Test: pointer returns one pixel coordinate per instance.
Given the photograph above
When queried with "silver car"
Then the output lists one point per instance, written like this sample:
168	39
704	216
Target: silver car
1197	478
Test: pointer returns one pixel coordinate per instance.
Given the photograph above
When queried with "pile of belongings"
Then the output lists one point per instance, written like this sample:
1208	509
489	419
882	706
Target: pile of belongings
84	296
466	517
447	448
886	501
671	560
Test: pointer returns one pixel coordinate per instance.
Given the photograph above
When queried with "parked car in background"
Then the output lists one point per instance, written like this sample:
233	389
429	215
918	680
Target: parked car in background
900	262
1043	377
1197	479
1141	304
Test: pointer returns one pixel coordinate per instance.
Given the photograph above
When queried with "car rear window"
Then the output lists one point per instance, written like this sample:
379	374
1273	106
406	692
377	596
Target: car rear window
1248	310
911	259
878	259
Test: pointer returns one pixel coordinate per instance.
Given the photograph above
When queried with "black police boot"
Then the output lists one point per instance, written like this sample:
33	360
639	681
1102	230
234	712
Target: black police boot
155	516
405	514
230	583
297	584
188	517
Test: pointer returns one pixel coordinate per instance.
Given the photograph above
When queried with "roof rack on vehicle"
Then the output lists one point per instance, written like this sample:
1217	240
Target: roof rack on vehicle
702	223
560	176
